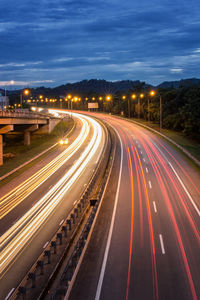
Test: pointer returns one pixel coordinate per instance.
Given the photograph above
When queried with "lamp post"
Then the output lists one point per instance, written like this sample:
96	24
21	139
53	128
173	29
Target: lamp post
160	113
108	98
25	92
123	98
69	97
140	97
133	96
152	94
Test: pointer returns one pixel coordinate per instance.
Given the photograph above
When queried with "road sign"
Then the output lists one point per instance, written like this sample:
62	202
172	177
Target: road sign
93	105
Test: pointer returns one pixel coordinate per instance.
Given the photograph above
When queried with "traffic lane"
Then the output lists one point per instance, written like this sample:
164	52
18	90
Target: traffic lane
7	187
20	192
127	234
182	286
8	220
87	278
184	289
34	248
188	174
172	282
128	273
176	216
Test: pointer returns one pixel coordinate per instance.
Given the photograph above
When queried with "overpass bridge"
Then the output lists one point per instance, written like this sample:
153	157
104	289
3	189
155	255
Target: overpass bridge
25	122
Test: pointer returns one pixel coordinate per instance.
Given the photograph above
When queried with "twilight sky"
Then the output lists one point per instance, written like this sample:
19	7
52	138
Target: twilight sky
52	42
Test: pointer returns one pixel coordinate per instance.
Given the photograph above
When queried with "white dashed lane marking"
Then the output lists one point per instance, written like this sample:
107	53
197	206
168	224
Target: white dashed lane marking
162	244
154	206
150	184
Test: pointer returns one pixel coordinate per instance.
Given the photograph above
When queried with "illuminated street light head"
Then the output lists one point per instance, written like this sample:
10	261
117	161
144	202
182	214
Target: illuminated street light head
133	96
69	96
100	98
26	92
40	96
93	98
108	98
123	97
141	95
152	93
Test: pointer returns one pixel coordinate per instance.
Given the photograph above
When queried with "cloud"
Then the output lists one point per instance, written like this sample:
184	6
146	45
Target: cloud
108	39
23	83
176	70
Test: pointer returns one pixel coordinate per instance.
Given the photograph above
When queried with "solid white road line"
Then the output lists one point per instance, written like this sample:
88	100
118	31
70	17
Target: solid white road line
181	182
150	184
162	244
154	206
61	222
147	170
45	245
9	294
101	277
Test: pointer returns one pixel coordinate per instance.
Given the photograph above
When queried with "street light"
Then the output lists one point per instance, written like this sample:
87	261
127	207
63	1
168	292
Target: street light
151	94
69	98
133	96
26	93
160	113
141	97
108	98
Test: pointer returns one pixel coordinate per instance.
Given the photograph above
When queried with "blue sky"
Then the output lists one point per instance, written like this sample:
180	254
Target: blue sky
52	42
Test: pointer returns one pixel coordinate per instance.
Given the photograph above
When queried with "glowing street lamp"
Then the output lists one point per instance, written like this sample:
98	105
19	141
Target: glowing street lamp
26	93
108	98
151	94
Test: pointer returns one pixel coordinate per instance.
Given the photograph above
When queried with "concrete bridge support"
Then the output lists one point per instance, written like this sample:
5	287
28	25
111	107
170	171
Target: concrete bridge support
27	134
3	130
1	150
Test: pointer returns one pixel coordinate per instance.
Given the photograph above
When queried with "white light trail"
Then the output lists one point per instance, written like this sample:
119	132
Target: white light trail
13	241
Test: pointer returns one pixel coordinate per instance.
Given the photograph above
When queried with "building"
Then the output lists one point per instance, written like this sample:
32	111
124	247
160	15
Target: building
4	102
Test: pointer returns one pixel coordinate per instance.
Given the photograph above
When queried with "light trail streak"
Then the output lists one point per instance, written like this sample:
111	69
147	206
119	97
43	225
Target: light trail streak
132	219
17	237
155	279
171	213
18	194
176	188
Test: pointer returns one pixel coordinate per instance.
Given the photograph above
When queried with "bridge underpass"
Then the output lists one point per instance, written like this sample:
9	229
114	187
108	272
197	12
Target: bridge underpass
25	123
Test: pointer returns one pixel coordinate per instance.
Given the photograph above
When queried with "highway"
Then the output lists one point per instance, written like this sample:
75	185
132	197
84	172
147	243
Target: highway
146	240
51	193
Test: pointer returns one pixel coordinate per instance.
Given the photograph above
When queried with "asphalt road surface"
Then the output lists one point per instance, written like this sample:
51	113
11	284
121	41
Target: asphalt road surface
146	241
32	210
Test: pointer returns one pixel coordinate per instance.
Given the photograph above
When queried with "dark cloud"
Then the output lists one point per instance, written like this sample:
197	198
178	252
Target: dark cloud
113	39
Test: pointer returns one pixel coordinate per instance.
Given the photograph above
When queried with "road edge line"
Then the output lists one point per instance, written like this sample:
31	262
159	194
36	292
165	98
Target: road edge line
101	277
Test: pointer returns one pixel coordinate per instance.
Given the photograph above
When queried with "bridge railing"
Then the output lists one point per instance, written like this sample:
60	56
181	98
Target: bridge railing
24	114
